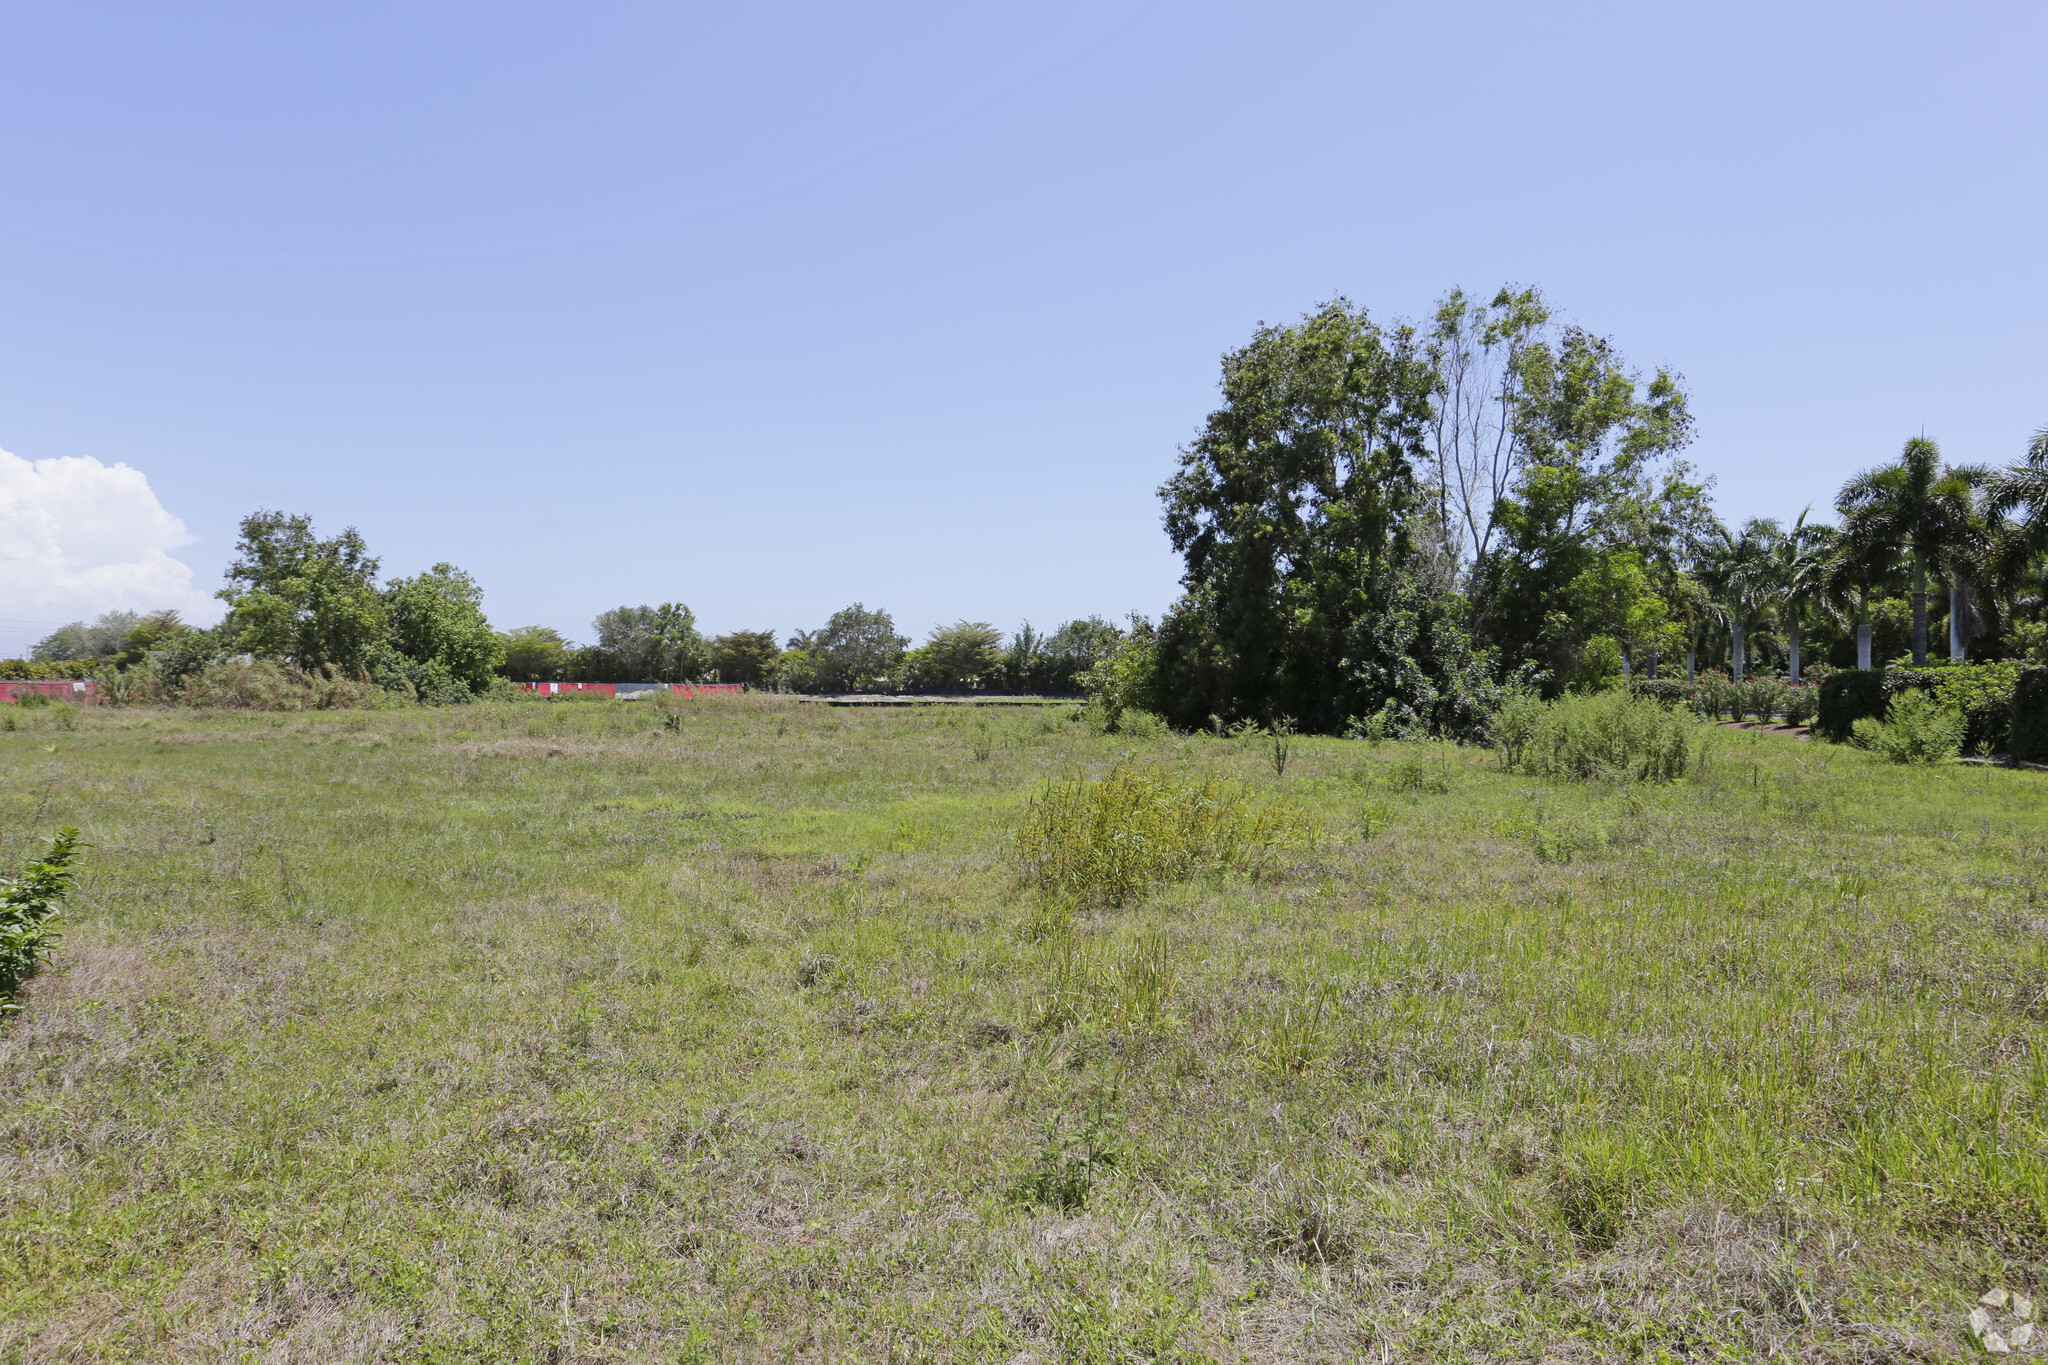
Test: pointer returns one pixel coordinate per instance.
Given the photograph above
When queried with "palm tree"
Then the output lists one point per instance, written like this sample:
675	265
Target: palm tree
1918	509
1740	570
1804	558
2016	487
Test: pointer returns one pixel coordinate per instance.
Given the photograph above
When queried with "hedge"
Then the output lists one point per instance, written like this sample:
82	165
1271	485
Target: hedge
43	670
1847	697
1988	695
1670	691
2030	716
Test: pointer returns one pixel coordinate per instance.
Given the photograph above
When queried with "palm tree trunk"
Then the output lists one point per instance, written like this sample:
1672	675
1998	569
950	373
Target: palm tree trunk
1919	613
1863	630
1739	656
1792	631
1958	610
1690	656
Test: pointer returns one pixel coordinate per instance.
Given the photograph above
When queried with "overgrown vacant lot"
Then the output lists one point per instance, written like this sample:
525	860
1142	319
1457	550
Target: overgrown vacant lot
546	1033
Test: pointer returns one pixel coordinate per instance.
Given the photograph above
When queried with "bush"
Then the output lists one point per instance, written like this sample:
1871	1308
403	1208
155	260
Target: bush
1983	694
1799	703
1757	698
2029	734
1111	842
260	685
1603	734
29	912
1916	729
1846	697
1669	691
49	670
1713	695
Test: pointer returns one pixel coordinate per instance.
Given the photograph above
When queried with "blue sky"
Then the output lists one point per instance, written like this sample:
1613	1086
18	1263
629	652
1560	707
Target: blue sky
772	308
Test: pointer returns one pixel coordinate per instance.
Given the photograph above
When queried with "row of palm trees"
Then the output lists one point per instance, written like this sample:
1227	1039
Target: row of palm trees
1981	532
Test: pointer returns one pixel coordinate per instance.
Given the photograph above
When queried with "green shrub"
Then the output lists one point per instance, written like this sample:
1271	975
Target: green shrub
1670	691
1982	693
1111	842
1713	695
1757	698
1916	729
259	685
1846	697
1799	703
2029	734
29	913
1603	734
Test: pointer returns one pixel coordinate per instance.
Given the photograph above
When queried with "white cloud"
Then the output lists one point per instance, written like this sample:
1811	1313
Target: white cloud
78	538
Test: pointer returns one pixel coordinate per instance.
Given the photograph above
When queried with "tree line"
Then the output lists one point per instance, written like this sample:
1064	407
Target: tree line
1395	524
314	605
1389	525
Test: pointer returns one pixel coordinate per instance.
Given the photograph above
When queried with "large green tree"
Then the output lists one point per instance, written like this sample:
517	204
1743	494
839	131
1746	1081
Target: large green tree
1919	510
535	653
1293	512
1595	477
744	656
1740	570
296	597
436	621
964	654
2018	497
651	644
857	649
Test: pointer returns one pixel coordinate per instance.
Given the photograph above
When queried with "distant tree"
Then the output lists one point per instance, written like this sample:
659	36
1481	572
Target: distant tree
964	654
1919	510
744	656
794	670
535	653
1475	447
1740	570
436	622
1292	512
1069	652
2018	498
655	644
1594	438
296	597
101	639
1614	603
1805	557
857	649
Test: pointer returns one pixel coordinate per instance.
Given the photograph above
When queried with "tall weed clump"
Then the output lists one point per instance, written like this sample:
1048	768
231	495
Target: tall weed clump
29	911
1112	842
1612	735
1916	729
259	685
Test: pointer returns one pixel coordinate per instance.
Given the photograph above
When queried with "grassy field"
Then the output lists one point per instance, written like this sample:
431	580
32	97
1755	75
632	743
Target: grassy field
547	1033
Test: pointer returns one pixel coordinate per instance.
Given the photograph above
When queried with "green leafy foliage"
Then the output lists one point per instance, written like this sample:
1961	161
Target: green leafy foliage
1916	729
29	912
535	654
744	656
1069	1158
1609	735
296	597
857	650
647	644
1847	697
1292	512
963	655
1114	841
2030	716
439	643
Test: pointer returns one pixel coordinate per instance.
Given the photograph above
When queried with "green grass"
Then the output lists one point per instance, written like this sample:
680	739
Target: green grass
544	1033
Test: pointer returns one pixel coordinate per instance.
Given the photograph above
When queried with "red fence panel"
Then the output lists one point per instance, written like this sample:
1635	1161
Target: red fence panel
86	692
